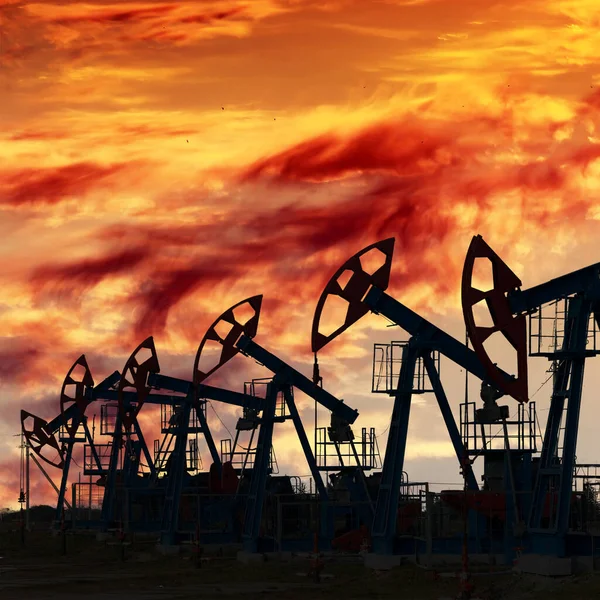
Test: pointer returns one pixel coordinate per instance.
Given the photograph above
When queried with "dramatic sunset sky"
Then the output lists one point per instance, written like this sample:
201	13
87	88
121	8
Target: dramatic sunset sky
160	161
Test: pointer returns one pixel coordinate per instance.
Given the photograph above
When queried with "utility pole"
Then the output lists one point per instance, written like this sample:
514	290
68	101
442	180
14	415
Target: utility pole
27	516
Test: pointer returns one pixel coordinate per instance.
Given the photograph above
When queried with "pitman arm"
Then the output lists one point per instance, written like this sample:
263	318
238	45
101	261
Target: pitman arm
296	379
428	334
204	391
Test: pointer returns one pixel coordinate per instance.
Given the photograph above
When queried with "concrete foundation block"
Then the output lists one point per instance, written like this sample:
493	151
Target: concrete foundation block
383	562
278	556
168	549
540	564
585	564
249	558
454	560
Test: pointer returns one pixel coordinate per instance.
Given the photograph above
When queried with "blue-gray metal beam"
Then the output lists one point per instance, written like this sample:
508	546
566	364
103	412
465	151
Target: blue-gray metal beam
131	398
90	441
63	484
429	336
144	447
174	384
229	397
111	395
108	499
207	392
440	394
296	379
110	381
301	433
583	280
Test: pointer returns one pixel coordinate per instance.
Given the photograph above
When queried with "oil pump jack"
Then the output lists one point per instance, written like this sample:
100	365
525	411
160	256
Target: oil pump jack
227	332
77	394
363	290
186	414
54	442
571	339
541	512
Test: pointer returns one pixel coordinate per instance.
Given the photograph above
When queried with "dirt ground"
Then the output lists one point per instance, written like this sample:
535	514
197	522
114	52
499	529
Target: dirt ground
96	571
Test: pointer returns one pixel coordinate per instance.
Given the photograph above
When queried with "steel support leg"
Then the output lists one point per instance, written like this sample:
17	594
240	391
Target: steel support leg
108	501
446	411
212	448
88	437
326	527
143	447
258	482
386	510
170	516
555	474
63	483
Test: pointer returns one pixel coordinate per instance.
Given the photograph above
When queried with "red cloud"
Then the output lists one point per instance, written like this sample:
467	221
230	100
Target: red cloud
276	247
113	14
16	363
160	235
170	288
416	178
422	145
33	356
84	274
53	185
396	148
135	22
220	15
36	136
146	130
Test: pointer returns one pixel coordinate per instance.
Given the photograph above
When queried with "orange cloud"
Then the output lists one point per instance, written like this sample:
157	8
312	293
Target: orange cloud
30	354
169	288
75	25
166	159
79	276
412	178
385	148
53	185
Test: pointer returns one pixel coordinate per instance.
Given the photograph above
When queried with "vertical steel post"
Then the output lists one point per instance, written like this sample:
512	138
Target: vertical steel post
64	480
386	510
256	494
556	468
177	472
108	501
212	448
27	515
324	521
446	411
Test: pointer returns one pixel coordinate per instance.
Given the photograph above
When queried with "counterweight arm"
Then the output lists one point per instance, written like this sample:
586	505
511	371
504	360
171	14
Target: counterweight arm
427	333
583	280
208	392
296	379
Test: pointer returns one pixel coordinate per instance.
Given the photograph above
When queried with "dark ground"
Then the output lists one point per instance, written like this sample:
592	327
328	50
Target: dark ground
95	571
